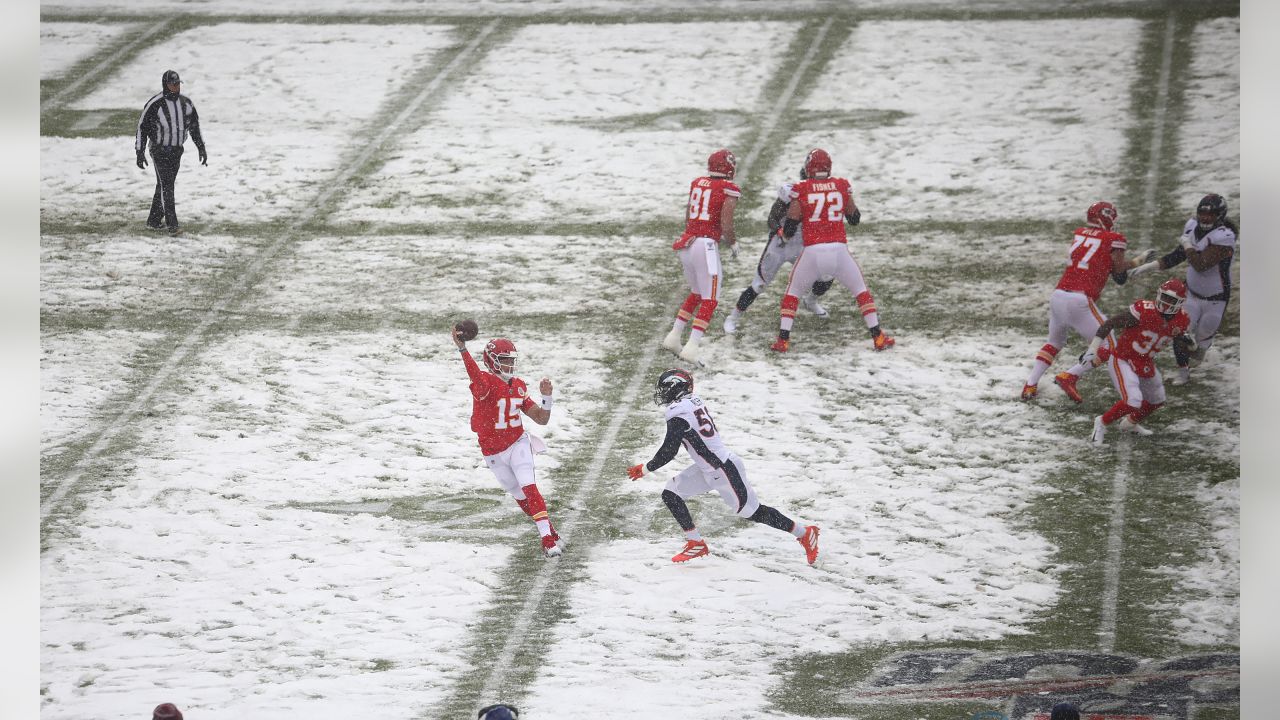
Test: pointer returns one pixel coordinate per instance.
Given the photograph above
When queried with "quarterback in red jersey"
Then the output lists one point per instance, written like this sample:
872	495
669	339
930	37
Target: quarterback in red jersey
1097	252
497	400
708	224
1148	328
820	206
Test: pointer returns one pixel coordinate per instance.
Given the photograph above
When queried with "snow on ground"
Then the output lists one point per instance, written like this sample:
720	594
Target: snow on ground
135	272
361	273
79	372
63	44
208	580
910	555
516	8
571	151
1210	137
278	105
1025	129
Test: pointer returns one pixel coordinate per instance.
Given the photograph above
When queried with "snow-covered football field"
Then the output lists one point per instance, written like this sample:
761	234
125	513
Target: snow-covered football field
260	496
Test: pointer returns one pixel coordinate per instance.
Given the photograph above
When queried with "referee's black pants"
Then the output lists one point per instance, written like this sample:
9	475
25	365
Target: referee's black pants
165	159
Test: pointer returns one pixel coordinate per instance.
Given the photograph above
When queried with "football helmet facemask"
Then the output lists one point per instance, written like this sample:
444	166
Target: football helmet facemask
722	163
817	164
1211	211
672	385
501	711
500	357
1170	296
1102	214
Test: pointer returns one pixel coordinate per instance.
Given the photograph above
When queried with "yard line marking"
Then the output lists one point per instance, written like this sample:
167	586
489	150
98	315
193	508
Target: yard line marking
1120	480
520	630
787	94
96	70
251	275
1157	132
1115	547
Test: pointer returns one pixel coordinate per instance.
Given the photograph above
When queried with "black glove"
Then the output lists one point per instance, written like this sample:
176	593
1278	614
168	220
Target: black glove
142	161
854	217
204	157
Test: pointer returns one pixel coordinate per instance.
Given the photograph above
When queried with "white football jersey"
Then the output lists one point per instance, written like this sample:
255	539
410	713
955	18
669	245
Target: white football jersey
1217	279
705	447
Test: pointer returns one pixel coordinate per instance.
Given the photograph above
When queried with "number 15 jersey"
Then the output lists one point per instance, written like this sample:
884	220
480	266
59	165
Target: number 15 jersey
495	408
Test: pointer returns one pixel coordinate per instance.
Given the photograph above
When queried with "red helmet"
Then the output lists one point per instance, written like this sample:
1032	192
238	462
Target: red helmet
722	163
500	357
166	711
817	163
1102	214
1170	296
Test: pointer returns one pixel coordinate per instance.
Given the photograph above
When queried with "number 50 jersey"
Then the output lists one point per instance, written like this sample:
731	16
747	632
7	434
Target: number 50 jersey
702	439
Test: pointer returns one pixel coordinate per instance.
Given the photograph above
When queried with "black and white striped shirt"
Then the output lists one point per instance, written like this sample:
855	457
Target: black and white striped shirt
166	120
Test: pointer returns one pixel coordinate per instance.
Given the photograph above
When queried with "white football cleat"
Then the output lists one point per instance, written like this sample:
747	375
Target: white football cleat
1128	425
810	302
1183	376
691	351
672	341
731	324
1099	431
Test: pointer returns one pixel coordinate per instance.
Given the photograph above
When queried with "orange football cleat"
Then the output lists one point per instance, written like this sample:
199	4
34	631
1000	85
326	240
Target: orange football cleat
1067	382
809	541
883	342
692	549
780	345
1029	392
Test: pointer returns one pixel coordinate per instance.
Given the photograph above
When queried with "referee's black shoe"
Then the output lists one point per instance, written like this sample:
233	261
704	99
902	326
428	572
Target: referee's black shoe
175	231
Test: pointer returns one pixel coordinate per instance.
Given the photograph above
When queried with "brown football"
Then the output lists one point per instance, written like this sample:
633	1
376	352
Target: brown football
467	330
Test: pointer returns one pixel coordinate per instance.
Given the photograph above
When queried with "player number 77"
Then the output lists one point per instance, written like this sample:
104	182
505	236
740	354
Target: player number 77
1091	246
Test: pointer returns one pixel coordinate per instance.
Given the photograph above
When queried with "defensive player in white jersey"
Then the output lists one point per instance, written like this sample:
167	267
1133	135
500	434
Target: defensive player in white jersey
1208	244
777	252
714	467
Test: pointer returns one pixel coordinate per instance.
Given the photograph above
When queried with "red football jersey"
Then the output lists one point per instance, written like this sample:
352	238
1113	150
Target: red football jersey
823	203
706	200
1140	343
1090	260
495	408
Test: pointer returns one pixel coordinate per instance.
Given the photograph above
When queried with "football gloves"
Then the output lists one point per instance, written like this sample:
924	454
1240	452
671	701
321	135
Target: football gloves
142	161
635	472
1144	268
204	157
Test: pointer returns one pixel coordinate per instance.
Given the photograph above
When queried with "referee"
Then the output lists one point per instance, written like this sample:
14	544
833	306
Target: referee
166	119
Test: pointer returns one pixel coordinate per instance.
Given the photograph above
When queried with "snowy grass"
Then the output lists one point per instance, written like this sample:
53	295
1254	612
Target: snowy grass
300	523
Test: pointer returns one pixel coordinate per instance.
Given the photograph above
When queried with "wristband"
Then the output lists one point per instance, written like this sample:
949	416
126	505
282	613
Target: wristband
547	402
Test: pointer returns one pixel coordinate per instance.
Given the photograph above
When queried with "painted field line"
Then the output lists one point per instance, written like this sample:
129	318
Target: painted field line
179	355
1157	133
1124	464
502	666
94	72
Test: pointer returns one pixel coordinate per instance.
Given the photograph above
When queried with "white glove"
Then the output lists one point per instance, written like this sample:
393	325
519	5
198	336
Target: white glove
1144	268
733	251
1092	353
1146	257
1188	243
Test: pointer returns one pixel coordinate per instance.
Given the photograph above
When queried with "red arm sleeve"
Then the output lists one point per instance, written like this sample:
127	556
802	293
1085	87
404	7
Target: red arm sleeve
479	388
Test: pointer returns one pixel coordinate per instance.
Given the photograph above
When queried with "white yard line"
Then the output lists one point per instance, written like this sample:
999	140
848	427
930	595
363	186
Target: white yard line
93	73
1120	480
1115	548
125	419
1157	134
502	666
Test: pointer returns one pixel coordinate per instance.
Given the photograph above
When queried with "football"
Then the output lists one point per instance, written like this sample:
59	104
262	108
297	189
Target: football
467	330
